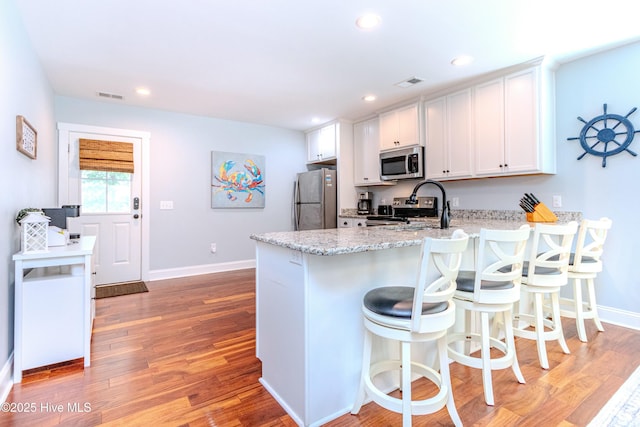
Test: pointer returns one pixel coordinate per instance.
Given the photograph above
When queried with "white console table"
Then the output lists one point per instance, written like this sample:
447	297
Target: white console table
54	305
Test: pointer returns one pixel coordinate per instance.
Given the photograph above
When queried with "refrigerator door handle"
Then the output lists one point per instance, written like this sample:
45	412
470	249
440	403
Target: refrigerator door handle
296	219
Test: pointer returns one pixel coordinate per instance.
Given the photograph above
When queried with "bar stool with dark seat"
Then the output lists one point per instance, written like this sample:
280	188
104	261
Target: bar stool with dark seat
585	264
490	290
543	275
416	313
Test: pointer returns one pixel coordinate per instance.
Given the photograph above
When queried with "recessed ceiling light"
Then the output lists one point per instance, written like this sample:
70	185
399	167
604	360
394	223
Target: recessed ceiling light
369	98
462	60
315	120
143	91
368	21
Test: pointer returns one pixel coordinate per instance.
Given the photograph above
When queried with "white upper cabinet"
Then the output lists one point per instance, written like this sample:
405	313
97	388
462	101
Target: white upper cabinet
513	125
321	144
521	122
449	148
400	127
366	163
489	128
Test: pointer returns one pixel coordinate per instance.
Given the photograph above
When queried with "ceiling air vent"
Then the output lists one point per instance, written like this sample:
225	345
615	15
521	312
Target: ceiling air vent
110	95
409	82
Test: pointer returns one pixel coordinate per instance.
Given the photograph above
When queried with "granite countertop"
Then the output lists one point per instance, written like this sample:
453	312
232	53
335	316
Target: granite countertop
339	241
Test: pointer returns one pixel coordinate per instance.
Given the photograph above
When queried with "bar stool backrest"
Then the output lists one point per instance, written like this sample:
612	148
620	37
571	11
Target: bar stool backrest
499	265
550	250
439	264
589	245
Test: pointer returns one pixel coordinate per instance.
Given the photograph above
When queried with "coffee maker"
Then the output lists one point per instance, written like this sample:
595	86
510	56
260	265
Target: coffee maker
365	203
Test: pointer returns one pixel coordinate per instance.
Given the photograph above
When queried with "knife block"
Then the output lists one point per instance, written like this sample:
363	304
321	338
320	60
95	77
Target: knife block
541	213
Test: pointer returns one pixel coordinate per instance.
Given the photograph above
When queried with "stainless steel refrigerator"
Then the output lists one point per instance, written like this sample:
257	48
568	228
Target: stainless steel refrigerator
315	200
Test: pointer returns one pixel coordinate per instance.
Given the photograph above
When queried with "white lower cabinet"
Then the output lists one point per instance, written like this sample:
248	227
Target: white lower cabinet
344	222
359	222
53	326
53	306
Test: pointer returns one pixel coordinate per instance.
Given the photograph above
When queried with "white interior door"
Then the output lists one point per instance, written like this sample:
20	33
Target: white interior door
111	204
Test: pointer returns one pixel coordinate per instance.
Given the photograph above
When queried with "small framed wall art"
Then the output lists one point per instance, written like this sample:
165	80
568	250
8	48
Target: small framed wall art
237	180
26	137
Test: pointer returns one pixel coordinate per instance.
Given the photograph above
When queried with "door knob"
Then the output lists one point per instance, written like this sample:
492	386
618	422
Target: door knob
136	216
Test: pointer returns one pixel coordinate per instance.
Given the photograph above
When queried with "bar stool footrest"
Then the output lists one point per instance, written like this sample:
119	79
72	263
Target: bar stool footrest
503	362
418	407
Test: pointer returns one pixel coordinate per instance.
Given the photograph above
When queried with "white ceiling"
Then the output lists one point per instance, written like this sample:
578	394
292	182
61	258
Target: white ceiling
283	62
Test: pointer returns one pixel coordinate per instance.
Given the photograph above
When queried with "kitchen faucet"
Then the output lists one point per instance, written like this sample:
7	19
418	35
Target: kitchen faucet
413	199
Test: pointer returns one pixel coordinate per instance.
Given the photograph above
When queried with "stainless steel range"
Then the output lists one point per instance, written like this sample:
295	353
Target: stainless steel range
425	208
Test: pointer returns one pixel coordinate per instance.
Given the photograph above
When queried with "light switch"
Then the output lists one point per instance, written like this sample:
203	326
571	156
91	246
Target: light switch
166	204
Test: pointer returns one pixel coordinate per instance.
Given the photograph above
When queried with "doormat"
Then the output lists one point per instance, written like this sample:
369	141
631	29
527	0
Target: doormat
107	291
623	409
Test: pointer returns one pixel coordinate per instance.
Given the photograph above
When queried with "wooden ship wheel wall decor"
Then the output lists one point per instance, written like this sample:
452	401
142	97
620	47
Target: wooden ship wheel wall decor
606	135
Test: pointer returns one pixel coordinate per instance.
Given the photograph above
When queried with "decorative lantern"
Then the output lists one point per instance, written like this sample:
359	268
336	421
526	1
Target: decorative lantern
35	229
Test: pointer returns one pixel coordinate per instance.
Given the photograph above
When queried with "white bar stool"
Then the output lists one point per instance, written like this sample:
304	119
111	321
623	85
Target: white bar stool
542	276
409	314
585	264
490	290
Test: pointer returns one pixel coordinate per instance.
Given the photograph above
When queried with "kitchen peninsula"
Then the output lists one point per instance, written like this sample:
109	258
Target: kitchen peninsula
309	290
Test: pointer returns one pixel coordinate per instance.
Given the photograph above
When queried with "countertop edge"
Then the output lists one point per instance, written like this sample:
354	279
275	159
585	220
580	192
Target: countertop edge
339	241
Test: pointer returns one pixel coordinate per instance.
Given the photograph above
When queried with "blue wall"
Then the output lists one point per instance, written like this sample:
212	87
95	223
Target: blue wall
582	87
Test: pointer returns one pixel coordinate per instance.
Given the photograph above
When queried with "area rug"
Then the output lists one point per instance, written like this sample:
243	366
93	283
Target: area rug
623	409
107	291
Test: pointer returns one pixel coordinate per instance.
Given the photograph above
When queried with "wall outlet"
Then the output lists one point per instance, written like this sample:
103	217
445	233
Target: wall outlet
455	202
166	204
214	248
557	201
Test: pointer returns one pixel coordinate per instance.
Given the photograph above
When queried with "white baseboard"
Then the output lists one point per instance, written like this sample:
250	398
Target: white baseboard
6	379
627	319
194	270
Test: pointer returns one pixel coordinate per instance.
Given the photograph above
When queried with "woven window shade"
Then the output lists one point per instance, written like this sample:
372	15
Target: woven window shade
106	156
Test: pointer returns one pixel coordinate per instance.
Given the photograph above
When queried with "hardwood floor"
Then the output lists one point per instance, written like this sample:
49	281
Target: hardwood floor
183	354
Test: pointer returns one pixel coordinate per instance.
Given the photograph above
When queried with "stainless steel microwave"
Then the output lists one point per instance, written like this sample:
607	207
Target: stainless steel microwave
402	163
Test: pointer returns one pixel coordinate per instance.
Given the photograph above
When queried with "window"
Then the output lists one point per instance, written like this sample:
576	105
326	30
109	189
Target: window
105	192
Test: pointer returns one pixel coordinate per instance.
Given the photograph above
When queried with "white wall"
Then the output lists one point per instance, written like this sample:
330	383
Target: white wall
24	182
582	87
180	150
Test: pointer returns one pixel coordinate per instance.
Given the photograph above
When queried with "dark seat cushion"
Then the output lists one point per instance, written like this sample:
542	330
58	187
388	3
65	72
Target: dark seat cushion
397	301
539	270
466	280
572	257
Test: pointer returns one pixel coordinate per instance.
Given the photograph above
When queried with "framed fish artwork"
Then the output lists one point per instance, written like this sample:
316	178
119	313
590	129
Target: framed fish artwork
237	180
